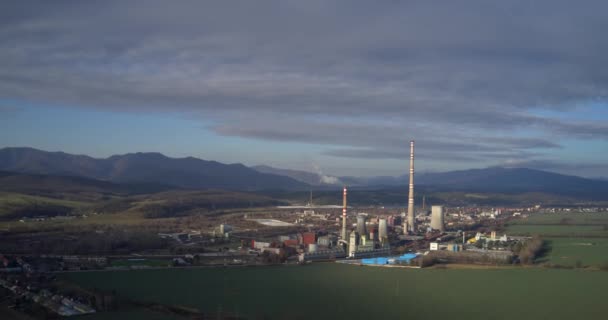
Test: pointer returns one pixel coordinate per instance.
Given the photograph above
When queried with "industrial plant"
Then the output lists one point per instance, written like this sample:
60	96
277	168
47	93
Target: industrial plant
372	240
384	238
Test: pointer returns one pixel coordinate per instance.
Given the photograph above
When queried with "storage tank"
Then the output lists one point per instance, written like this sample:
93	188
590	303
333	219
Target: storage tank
437	218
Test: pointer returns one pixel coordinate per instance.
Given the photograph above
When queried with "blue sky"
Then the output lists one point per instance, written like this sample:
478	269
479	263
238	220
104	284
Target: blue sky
296	85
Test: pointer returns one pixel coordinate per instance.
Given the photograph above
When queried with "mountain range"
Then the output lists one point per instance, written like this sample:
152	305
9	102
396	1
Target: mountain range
144	168
487	180
154	171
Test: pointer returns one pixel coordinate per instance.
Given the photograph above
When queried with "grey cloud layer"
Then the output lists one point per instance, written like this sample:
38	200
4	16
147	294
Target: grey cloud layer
361	77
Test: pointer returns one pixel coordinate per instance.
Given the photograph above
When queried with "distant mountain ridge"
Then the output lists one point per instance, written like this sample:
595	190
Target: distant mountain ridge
493	179
513	180
144	168
155	170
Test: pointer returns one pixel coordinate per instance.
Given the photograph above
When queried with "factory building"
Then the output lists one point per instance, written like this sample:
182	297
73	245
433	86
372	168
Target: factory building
360	246
369	253
322	255
393	221
327	241
259	244
308	238
437	218
453	247
352	244
291	243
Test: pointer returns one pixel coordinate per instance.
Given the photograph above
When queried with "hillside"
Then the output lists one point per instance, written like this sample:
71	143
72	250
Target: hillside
16	206
70	187
33	195
183	203
145	168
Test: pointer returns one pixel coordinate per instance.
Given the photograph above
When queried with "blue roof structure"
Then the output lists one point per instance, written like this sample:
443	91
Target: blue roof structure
389	260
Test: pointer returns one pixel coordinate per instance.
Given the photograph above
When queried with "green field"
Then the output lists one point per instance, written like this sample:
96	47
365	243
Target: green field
558	230
574	238
596	218
334	291
568	251
10	202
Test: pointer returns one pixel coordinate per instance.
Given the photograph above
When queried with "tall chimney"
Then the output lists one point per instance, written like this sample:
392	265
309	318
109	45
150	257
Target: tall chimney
344	215
410	203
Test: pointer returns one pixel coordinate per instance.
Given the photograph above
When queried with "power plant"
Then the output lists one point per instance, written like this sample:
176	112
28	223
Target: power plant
357	242
437	218
411	219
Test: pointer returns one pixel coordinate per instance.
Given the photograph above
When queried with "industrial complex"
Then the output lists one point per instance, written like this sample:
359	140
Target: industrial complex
365	235
383	237
393	237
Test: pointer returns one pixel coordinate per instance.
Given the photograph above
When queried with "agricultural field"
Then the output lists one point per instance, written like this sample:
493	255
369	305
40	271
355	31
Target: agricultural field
583	251
336	291
575	239
558	230
596	218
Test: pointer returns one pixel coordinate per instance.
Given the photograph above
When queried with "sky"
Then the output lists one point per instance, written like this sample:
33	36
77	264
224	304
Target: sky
336	86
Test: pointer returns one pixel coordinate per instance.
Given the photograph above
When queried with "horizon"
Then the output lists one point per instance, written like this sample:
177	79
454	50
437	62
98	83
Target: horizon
405	174
293	85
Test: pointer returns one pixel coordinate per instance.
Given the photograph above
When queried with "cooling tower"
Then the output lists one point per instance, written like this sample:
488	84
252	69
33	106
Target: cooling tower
361	230
410	203
382	229
437	218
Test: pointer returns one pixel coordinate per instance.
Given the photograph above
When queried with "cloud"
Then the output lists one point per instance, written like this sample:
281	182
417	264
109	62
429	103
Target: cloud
8	111
468	80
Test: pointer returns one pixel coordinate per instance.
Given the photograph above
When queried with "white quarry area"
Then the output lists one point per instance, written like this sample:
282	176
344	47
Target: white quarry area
273	222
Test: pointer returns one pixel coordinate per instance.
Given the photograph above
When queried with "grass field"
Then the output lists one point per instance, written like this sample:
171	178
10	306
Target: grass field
597	218
12	201
568	251
558	230
333	291
125	219
573	237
